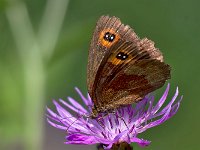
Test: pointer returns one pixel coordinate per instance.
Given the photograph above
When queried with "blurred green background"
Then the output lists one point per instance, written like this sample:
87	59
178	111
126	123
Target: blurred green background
43	56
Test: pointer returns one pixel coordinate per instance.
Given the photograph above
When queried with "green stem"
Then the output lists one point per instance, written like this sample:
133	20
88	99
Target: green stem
34	78
34	75
33	52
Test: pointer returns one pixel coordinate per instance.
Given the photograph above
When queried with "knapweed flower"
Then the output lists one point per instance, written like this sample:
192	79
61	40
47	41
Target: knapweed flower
110	130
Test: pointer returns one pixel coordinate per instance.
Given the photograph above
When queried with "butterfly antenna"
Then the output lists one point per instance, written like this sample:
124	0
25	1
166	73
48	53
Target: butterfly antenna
72	124
100	123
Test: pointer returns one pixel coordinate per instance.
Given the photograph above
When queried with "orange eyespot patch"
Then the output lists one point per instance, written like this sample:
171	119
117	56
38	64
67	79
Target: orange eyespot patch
120	57
108	37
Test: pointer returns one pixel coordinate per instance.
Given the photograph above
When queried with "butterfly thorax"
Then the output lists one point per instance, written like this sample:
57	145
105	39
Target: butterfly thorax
94	113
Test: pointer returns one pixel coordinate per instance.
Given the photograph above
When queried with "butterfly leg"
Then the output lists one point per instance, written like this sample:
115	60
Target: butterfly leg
118	114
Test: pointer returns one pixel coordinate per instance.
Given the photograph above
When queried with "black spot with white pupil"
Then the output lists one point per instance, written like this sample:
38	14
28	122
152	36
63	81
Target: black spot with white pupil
122	56
109	37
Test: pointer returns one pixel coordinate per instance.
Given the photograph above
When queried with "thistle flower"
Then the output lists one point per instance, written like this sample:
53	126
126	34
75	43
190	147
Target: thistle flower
115	129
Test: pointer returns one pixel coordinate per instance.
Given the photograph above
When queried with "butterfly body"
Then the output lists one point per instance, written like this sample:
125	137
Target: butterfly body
122	68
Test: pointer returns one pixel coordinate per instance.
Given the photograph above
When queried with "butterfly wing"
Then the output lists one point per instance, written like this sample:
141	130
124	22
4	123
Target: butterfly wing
145	76
131	84
115	79
123	81
100	46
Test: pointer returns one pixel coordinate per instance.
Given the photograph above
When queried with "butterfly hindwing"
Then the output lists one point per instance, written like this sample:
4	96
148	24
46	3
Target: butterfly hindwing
131	84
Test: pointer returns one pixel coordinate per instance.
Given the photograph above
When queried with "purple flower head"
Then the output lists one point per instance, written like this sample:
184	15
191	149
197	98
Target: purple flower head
121	126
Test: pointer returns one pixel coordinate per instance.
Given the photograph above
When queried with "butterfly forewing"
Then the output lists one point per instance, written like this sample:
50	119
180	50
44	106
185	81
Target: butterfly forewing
99	46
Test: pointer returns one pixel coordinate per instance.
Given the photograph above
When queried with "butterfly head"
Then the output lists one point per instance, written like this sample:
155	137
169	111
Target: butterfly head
94	113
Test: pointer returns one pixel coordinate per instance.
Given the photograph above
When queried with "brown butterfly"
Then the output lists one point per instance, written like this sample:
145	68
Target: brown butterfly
122	68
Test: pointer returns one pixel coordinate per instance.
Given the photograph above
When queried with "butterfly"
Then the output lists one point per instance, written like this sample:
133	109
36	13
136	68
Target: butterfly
122	68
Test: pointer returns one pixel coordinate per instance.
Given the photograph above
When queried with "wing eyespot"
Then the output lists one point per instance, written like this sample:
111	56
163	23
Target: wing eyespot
122	56
108	37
